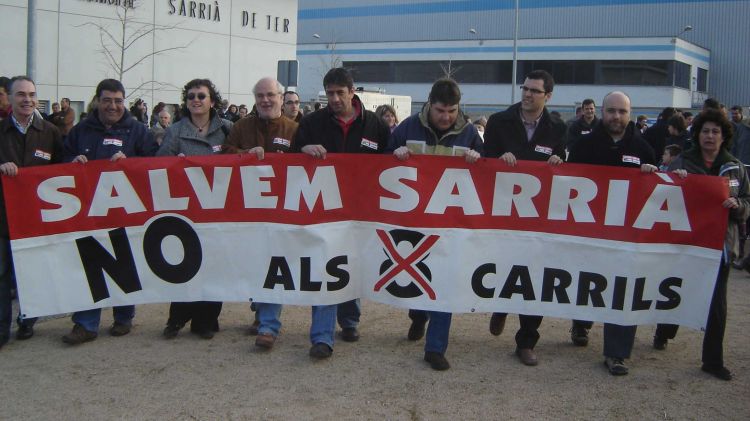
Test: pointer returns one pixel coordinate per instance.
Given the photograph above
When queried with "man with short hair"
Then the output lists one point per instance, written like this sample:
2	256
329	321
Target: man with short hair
291	106
55	107
65	118
344	126
583	125
737	114
25	140
4	97
616	142
657	135
160	128
109	132
526	131
269	131
439	129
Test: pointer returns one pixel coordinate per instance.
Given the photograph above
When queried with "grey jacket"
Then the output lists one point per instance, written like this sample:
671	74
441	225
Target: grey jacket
182	138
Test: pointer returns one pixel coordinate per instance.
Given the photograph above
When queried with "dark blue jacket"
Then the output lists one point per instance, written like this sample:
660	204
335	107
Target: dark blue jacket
91	138
416	128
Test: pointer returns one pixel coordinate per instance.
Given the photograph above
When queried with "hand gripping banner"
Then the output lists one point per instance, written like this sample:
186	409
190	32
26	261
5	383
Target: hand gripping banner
435	233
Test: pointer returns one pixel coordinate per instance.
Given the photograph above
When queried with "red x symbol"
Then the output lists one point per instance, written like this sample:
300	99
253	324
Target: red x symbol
405	264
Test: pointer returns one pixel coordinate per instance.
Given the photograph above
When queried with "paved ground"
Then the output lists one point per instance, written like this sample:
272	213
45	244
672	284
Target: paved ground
142	376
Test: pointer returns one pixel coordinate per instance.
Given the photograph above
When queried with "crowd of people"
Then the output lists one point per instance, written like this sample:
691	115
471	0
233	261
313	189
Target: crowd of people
708	143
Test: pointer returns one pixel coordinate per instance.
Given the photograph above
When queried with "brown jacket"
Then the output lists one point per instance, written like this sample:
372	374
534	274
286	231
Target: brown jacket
274	135
64	120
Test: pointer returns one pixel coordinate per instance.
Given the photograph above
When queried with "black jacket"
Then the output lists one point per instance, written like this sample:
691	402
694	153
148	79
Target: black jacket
505	133
367	134
578	129
598	148
657	135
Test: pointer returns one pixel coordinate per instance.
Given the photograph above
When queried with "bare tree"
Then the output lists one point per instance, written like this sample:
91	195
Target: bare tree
449	71
119	41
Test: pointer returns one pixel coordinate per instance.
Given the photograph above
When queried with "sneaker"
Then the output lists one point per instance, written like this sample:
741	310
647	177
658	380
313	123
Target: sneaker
579	335
616	366
660	343
119	329
497	323
350	334
265	341
79	335
416	330
720	372
437	361
171	331
253	328
25	331
320	351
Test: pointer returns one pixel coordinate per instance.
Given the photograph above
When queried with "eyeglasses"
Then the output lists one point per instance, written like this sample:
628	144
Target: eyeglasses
532	90
110	101
201	96
292	103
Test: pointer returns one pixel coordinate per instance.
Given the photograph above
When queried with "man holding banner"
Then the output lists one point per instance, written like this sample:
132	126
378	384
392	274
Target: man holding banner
25	140
344	126
615	142
526	131
439	129
110	132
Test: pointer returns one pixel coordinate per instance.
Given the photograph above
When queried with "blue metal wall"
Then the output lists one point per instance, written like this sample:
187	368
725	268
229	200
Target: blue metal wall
720	26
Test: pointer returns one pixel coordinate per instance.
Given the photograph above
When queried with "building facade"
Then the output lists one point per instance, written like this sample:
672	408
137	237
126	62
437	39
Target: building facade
167	43
662	52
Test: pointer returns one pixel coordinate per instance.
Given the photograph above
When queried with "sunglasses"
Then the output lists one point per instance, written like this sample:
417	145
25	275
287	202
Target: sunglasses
201	96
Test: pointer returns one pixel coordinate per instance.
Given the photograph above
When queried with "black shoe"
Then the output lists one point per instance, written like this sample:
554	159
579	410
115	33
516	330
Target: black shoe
416	330
350	334
3	340
79	335
119	329
25	331
497	323
720	372
203	332
171	331
437	361
321	351
616	366
579	335
660	343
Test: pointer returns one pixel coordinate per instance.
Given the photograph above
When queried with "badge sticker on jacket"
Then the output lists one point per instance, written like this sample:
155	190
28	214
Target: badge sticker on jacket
543	149
216	148
629	159
43	155
282	142
369	144
734	183
115	142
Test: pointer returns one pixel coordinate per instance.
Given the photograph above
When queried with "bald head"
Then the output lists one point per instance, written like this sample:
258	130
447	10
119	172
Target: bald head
268	97
616	113
165	119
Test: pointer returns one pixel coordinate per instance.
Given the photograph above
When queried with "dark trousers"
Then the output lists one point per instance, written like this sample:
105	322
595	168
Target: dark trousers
582	323
618	340
528	333
713	339
204	315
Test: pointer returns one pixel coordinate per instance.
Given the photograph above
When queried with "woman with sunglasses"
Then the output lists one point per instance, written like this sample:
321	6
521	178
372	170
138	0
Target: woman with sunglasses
200	132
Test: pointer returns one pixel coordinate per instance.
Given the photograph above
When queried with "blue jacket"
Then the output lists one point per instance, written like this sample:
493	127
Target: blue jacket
91	138
416	129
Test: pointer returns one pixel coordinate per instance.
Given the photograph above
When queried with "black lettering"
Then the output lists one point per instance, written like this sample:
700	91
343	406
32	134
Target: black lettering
253	20
672	296
551	287
245	18
182	12
192	9
476	280
618	296
286	25
268	22
96	260
217	18
279	274
191	245
638	302
304	276
591	285
276	24
172	9
333	269
513	286
202	11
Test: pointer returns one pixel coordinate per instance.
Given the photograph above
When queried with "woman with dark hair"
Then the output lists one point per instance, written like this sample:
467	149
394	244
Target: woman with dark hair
388	114
139	112
232	113
712	138
200	132
678	134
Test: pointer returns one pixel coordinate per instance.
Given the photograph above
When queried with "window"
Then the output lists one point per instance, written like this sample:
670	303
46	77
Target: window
702	80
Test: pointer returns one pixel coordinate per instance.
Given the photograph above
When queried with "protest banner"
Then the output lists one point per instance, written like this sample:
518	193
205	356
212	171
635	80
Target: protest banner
435	233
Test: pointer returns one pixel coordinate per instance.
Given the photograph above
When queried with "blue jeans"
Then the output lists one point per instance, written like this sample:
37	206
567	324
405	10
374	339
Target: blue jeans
322	327
618	340
89	319
348	314
438	330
